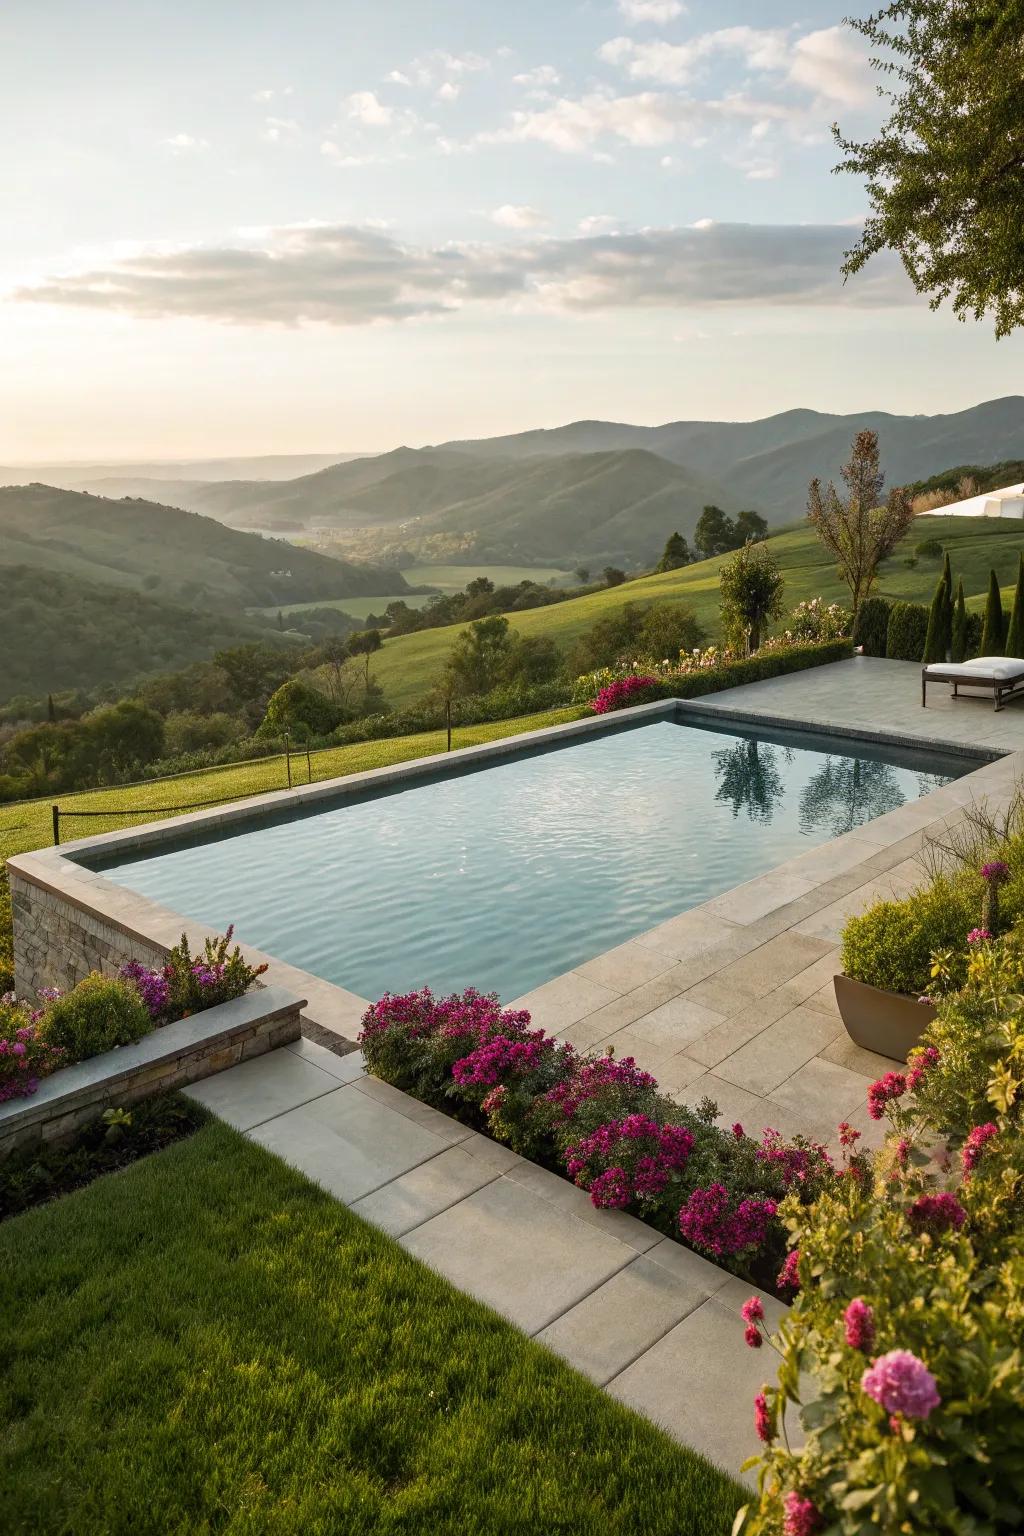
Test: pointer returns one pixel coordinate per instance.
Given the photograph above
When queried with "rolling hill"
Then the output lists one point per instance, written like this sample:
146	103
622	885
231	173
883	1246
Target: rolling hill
175	554
408	666
60	631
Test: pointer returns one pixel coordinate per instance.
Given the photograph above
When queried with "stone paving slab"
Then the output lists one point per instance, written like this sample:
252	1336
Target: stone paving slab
261	1089
425	1191
520	1255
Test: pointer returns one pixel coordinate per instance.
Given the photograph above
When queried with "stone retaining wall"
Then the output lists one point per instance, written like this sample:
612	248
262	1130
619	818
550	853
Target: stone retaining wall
56	943
170	1057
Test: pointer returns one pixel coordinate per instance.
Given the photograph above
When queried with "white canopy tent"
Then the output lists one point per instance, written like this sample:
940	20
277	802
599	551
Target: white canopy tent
1009	502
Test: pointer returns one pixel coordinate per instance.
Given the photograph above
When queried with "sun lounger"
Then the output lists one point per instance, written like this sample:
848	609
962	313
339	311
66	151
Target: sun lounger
1002	676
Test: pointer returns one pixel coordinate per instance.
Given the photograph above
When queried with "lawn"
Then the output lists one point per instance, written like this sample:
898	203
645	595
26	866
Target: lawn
208	1342
408	666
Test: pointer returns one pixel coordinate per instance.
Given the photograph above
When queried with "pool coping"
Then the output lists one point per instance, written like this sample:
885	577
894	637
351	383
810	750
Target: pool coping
144	923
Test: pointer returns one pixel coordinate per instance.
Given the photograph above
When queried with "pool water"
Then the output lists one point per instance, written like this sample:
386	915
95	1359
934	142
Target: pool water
506	876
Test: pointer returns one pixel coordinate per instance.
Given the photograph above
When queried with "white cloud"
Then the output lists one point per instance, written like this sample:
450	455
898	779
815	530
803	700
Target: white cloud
638	11
539	78
518	216
366	107
271	92
185	144
281	130
449	91
648	119
347	275
396	77
597	224
833	65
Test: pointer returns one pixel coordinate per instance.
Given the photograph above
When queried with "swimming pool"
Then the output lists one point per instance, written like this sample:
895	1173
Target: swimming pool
502	876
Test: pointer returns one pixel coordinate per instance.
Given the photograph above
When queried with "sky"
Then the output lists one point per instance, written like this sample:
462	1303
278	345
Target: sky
255	226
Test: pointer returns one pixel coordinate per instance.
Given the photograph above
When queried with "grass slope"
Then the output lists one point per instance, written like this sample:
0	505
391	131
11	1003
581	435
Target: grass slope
145	545
209	1342
408	665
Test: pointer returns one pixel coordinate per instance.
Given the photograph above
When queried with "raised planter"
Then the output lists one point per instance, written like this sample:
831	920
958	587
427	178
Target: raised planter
889	1023
171	1057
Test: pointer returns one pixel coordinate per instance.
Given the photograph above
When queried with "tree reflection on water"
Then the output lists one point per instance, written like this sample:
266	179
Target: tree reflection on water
847	792
749	779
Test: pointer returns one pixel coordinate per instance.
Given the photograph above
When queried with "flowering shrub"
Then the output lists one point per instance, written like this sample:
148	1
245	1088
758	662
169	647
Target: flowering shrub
623	692
25	1054
811	623
912	1309
602	1122
187	984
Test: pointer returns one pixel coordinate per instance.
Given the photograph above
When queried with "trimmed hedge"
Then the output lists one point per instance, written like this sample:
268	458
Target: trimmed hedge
908	630
871	630
754	669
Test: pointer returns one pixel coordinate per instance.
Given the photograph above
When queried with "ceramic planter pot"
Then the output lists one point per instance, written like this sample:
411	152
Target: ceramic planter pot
890	1023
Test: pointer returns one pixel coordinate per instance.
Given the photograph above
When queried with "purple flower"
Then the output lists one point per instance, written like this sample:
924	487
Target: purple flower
789	1275
152	986
623	692
975	1144
860	1325
978	935
801	1517
901	1383
610	1191
709	1220
937	1213
995	872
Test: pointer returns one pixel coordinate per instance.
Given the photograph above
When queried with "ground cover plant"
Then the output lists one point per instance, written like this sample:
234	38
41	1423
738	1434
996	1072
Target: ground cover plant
915	1417
209	1342
601	1123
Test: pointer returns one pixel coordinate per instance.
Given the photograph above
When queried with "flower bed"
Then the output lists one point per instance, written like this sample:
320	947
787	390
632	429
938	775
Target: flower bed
708	671
103	1012
910	1308
602	1123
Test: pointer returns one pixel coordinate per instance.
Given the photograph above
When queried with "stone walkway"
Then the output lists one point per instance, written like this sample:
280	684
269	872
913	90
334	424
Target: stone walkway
654	1324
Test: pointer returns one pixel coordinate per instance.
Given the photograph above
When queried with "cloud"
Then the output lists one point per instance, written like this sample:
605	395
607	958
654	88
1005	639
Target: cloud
638	11
539	78
270	93
518	216
597	223
281	130
647	119
449	91
396	77
365	107
185	144
832	65
348	275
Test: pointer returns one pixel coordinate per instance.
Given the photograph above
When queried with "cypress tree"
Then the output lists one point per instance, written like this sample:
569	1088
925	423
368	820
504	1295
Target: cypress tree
935	640
1015	632
958	643
947	622
992	629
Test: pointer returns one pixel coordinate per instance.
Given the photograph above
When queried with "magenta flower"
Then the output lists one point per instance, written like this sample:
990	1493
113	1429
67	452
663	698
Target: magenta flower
901	1383
623	692
763	1421
752	1336
975	1144
801	1516
892	1086
752	1310
738	1131
995	872
610	1191
921	1064
978	936
937	1213
860	1325
848	1137
789	1275
709	1220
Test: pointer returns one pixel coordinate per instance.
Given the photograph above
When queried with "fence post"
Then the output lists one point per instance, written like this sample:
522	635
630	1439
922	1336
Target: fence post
55	813
448	721
288	755
309	764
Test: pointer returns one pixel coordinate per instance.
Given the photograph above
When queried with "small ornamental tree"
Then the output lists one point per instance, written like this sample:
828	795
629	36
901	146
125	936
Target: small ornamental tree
1015	631
992	632
935	640
677	553
958	643
751	586
859	532
478	658
947	616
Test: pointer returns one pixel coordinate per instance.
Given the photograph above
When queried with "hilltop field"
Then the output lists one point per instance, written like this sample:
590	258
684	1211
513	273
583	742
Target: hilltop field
408	665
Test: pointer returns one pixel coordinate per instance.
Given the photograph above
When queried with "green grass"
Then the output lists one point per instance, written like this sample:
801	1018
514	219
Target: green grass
408	666
207	1342
26	824
358	607
453	578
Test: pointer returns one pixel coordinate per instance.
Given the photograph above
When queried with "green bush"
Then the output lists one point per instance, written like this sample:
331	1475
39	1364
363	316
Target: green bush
929	549
754	669
98	1014
892	943
296	707
871	629
907	632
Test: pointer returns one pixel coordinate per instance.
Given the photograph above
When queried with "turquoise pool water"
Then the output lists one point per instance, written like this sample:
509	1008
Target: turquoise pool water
504	877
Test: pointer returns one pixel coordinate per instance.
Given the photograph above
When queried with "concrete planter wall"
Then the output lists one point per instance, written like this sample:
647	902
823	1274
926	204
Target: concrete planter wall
170	1057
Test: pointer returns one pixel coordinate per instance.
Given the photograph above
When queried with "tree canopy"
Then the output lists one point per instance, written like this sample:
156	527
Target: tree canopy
945	173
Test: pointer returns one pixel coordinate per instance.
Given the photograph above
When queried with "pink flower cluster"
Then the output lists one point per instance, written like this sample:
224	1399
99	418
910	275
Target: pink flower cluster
901	1383
501	1057
921	1065
937	1213
975	1144
801	1516
752	1313
788	1278
793	1163
623	692
978	936
859	1322
25	1054
764	1423
711	1221
629	1159
892	1086
592	1077
996	871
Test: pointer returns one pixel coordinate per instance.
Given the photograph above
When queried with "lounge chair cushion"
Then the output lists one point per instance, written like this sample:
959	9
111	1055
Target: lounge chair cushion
1004	669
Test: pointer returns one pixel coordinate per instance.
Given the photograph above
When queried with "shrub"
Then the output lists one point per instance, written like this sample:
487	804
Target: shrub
871	629
908	629
937	642
624	692
101	1012
296	707
751	586
218	975
891	944
814	621
25	1053
993	628
929	549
